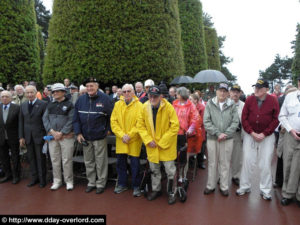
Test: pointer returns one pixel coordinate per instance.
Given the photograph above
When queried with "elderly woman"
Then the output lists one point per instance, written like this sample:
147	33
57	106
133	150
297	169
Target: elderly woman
221	121
188	117
128	142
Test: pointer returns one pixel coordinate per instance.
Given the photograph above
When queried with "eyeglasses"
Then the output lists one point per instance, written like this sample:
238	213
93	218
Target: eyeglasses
126	91
153	96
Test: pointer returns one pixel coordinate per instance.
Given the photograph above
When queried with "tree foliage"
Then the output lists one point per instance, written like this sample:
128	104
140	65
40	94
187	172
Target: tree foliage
192	34
43	17
225	60
212	49
279	70
19	51
296	60
115	41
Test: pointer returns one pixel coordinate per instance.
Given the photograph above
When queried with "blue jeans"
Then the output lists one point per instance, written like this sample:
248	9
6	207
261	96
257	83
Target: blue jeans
122	170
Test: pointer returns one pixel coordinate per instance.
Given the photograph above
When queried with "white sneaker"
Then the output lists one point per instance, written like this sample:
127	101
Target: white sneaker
55	186
265	196
241	192
69	187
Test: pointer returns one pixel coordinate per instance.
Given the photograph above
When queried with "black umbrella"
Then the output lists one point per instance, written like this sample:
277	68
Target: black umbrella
182	80
210	76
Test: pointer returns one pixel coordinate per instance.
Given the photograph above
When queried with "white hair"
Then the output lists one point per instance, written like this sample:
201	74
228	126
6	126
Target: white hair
31	87
19	86
128	85
139	83
6	92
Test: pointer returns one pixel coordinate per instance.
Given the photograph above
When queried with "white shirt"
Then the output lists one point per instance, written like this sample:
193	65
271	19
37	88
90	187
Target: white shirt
221	105
290	112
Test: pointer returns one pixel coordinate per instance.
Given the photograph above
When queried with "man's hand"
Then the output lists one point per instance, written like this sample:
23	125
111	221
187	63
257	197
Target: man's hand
222	137
152	144
22	142
126	139
258	137
295	134
57	136
80	138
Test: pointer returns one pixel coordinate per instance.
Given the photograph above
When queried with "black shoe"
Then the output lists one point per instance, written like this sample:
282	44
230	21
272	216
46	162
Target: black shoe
286	201
224	193
154	195
208	191
15	180
99	190
5	179
202	166
42	185
298	203
236	181
32	183
89	189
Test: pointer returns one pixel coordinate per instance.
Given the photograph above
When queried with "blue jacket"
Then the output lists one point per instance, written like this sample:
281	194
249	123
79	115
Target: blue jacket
92	116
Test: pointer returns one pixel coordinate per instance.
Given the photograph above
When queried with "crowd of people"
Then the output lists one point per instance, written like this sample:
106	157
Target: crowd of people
235	133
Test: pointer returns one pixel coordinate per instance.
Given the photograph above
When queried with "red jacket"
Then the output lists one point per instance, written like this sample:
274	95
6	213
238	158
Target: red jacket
260	120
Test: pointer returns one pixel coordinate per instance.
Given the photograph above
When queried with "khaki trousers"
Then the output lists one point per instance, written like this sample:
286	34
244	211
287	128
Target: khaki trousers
96	162
219	156
291	167
156	173
237	155
61	152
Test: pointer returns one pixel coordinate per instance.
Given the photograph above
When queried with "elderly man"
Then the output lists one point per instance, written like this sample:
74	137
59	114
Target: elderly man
9	138
128	142
31	132
57	121
290	119
113	95
19	97
259	120
91	125
139	90
220	121
67	84
237	153
158	126
148	83
172	93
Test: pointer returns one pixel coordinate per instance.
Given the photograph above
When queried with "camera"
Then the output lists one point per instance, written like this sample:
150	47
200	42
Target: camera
84	143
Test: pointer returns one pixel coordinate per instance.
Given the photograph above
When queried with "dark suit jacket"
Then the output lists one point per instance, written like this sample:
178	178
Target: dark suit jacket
31	124
11	125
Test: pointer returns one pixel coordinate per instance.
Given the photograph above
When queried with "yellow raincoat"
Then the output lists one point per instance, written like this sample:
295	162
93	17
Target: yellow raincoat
165	134
123	121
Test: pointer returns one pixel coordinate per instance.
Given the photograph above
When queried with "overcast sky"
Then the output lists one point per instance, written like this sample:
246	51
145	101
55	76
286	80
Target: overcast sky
255	32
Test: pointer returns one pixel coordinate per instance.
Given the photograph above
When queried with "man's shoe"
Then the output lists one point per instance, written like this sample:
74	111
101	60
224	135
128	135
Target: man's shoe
265	196
202	166
153	195
171	198
15	180
69	186
89	189
236	181
99	190
32	183
42	185
208	191
286	201
55	186
119	189
224	193
241	192
5	179
137	192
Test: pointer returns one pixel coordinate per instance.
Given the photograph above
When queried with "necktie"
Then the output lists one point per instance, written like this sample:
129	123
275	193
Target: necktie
5	107
30	107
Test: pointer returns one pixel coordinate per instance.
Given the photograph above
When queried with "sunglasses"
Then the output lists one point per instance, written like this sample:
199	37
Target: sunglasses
126	91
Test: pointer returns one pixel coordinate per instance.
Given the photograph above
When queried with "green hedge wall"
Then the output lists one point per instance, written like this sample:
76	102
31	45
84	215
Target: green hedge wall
192	35
19	51
296	60
115	41
212	48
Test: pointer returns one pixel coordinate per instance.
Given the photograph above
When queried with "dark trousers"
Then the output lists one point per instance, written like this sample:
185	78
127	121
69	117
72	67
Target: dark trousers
122	170
37	161
279	172
14	157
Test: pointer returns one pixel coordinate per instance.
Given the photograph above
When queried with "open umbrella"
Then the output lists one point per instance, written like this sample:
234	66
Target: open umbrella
182	80
209	76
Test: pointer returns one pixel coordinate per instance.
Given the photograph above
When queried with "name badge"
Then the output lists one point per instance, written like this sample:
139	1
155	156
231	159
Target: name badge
99	104
64	108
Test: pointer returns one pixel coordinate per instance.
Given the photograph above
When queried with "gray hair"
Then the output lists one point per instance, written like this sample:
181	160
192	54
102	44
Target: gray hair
19	86
6	92
31	87
128	85
139	83
183	92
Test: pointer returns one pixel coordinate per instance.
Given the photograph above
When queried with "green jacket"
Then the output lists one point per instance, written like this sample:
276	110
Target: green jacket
217	121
